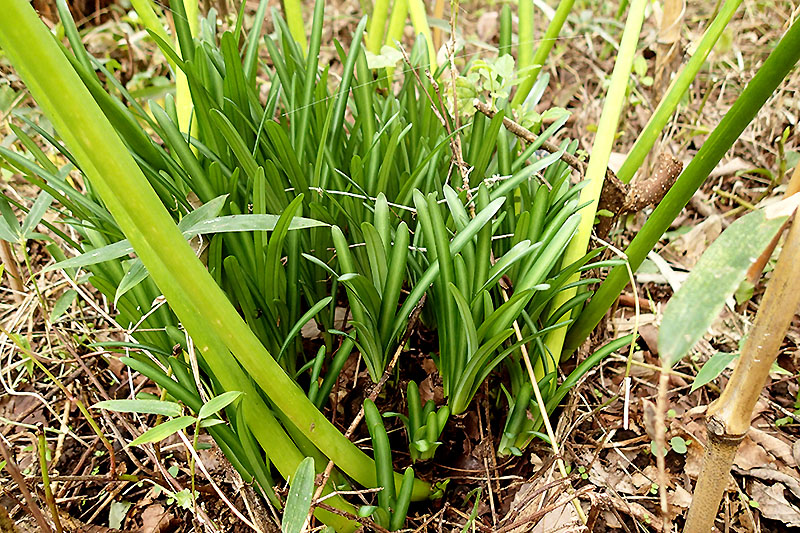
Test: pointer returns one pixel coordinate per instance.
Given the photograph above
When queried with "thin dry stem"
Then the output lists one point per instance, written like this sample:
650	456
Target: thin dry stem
13	470
546	419
15	278
528	136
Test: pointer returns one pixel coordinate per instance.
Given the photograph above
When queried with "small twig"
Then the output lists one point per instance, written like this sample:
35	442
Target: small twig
458	153
13	470
493	455
363	521
528	136
531	495
626	382
214	485
430	519
486	464
620	198
535	517
661	448
422	88
348	493
455	139
122	478
323	480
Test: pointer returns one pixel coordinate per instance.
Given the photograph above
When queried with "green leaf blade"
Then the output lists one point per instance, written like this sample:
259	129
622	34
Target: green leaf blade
218	403
162	431
148	407
298	502
716	277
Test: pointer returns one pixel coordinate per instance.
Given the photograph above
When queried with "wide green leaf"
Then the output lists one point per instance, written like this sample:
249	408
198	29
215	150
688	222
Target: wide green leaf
712	369
715	278
225	224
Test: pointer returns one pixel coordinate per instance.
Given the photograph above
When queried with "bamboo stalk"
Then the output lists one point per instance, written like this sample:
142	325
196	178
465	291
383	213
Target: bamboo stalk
754	273
761	87
728	418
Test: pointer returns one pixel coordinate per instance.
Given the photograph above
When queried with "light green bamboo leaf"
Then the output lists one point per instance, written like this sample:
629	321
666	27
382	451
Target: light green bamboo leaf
148	407
298	502
218	403
9	225
35	215
62	304
207	211
162	431
136	274
92	257
236	223
7	233
226	224
712	369
717	275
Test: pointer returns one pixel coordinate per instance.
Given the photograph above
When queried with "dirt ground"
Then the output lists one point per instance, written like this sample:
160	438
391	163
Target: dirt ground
604	431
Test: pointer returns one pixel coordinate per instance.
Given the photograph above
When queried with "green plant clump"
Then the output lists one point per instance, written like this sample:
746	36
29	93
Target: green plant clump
294	196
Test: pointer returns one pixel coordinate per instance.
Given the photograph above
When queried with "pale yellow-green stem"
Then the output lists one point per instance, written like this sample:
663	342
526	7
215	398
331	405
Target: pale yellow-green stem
150	20
532	62
397	22
526	42
397	25
293	12
183	97
598	163
419	19
149	17
377	26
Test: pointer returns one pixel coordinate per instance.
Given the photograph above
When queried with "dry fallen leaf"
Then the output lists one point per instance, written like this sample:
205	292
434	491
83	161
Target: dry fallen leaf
680	497
563	518
776	447
487	25
773	504
688	248
772	475
155	519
